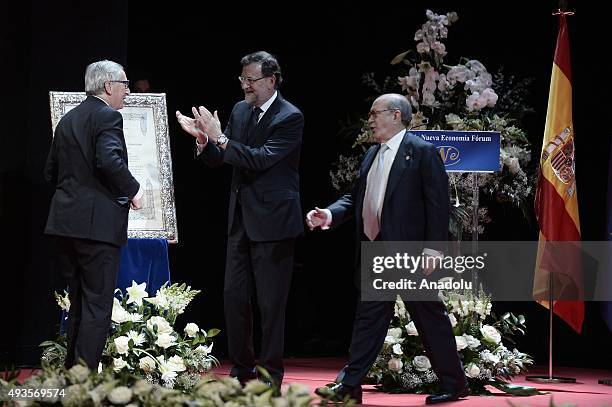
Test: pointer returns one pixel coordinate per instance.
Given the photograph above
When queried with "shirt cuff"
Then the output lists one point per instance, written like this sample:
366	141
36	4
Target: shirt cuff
200	146
139	194
328	219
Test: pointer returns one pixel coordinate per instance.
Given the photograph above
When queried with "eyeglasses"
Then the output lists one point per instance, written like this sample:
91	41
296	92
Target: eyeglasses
249	81
374	113
125	83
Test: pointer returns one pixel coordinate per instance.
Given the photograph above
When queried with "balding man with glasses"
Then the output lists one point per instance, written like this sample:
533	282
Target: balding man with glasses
262	143
88	218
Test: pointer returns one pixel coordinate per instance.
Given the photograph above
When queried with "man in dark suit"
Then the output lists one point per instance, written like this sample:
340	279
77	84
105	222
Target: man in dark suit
401	194
262	142
88	216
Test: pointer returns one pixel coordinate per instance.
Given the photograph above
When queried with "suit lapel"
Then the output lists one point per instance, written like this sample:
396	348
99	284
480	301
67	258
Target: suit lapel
244	124
397	168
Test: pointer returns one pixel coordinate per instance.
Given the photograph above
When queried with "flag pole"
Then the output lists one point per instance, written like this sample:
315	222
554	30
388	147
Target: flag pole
550	378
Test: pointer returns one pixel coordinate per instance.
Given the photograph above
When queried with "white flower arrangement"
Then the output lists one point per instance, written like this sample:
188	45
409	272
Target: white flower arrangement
403	365
144	342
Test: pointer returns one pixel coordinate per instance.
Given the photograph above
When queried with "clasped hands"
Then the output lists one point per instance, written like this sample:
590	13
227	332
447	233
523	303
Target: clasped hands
203	126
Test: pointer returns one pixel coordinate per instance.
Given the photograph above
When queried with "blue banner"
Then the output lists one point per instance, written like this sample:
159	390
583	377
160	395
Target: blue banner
465	151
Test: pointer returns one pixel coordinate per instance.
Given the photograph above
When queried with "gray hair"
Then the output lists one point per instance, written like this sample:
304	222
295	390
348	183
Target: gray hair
269	65
396	101
99	72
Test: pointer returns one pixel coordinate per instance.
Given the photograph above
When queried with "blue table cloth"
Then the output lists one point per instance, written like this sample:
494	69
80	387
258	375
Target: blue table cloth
142	260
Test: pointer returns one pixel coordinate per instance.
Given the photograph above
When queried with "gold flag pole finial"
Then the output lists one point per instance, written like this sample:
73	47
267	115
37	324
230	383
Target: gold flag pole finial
562	10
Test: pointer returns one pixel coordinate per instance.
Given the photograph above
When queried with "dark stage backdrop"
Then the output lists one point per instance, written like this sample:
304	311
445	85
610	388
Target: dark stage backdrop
192	53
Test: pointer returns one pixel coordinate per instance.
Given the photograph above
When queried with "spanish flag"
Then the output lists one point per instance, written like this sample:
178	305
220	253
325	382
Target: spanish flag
556	203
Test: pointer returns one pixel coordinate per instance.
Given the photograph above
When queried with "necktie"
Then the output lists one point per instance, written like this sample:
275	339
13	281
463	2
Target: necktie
374	195
251	125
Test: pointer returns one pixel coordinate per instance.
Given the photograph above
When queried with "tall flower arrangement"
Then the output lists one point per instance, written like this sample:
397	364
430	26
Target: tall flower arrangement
144	341
462	96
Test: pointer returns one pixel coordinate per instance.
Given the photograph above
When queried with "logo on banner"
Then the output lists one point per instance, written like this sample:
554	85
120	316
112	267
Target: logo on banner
561	154
450	155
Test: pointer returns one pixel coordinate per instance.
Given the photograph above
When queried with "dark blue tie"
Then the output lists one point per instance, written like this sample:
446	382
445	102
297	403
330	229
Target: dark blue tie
251	126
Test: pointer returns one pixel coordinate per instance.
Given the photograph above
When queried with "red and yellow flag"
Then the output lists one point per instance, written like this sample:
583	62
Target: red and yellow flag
556	203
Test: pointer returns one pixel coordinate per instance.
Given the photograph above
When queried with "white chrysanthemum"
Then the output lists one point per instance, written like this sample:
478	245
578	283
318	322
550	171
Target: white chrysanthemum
137	337
472	342
204	349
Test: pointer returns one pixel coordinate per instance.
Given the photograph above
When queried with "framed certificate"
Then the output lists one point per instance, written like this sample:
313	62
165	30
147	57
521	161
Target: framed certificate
145	127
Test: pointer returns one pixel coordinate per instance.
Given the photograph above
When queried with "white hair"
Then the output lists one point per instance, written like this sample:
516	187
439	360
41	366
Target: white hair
98	73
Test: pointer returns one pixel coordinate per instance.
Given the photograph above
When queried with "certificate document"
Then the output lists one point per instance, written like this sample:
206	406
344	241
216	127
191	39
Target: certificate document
145	127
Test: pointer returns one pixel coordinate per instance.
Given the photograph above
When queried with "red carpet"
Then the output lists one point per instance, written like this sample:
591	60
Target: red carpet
585	392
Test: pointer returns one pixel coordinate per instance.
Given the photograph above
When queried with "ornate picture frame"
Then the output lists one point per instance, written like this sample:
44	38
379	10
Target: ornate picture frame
145	127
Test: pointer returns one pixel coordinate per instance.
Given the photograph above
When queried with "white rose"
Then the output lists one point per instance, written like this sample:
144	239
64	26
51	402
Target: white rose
120	395
471	341
395	365
397	349
452	319
176	364
122	345
421	363
165	340
163	326
461	343
147	364
395	332
411	329
472	370
118	364
490	334
191	330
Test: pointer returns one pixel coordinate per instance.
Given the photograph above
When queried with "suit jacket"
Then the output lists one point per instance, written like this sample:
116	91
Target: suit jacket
265	178
416	202
88	166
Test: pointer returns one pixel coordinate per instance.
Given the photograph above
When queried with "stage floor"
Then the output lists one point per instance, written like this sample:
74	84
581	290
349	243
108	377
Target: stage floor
586	392
315	372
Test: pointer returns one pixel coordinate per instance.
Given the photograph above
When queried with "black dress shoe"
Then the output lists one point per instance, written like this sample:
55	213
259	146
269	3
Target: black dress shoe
445	396
339	391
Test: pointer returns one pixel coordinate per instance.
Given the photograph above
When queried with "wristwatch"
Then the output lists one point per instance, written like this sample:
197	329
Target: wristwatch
221	140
